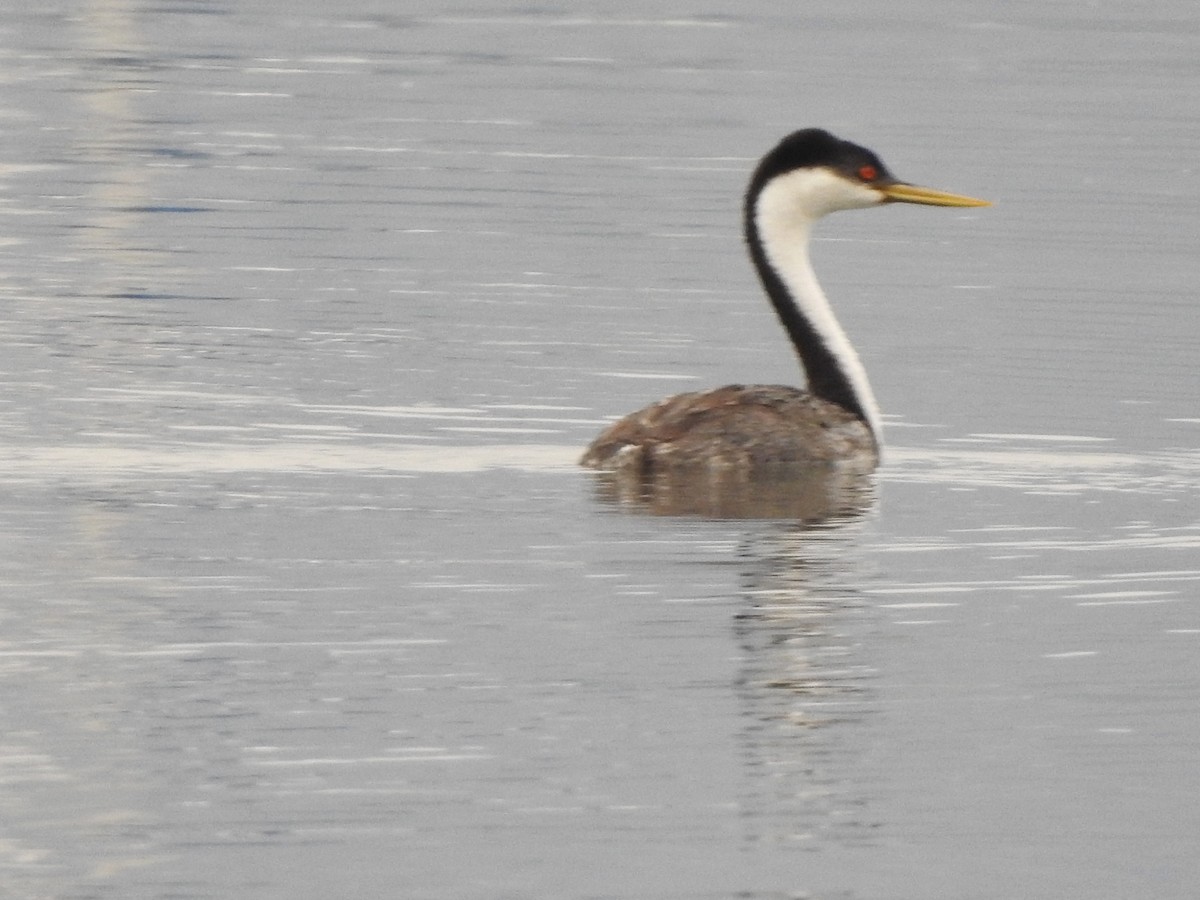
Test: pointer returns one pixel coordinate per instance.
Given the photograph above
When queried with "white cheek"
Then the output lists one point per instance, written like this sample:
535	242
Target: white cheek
808	194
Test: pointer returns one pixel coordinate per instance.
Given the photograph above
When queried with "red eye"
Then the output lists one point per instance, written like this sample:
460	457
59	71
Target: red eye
868	173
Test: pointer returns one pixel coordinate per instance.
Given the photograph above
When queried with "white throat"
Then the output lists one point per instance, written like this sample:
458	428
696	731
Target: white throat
784	214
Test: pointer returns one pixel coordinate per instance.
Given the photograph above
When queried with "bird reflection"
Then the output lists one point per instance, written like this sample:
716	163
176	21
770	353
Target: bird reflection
807	687
805	494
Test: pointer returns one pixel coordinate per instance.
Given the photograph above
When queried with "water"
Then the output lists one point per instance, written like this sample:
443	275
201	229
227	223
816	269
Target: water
305	315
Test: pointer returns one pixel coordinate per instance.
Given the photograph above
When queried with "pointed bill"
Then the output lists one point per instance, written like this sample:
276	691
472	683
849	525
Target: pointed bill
900	192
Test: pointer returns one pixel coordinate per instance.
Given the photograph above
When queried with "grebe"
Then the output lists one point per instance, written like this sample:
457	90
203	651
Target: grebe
809	174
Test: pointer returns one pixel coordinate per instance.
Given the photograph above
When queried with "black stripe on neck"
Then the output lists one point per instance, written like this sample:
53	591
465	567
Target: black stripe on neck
826	377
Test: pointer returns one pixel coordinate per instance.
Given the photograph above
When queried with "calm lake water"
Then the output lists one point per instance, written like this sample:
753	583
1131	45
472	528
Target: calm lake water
306	311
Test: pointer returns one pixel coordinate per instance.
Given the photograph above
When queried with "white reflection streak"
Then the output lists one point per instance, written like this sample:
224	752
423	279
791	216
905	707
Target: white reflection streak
118	463
364	760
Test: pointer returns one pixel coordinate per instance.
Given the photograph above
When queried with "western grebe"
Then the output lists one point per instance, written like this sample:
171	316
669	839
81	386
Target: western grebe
809	174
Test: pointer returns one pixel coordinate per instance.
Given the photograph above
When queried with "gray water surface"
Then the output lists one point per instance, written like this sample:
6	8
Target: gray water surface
305	316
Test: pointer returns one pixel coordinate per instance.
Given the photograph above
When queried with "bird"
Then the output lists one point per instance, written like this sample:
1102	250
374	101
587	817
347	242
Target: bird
756	428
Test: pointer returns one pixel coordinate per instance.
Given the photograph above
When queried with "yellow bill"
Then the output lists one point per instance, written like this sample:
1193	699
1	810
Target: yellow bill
911	193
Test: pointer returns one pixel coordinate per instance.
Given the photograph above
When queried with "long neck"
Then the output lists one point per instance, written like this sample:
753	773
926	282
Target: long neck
778	240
